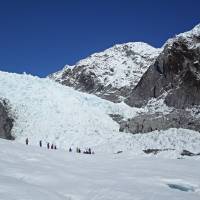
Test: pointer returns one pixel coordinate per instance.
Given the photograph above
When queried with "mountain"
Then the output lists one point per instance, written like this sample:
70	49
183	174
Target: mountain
155	80
175	74
173	79
163	102
110	74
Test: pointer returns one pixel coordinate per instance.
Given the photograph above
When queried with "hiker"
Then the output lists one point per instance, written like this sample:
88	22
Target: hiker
86	151
78	150
52	146
70	149
55	147
48	145
27	141
40	143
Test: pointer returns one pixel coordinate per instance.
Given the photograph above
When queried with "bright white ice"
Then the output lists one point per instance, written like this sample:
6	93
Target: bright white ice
33	173
47	111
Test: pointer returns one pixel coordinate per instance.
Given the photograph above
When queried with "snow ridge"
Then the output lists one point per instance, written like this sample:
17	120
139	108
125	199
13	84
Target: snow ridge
119	66
192	37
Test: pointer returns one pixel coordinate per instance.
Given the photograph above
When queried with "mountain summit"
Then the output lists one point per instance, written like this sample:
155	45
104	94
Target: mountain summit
175	73
110	74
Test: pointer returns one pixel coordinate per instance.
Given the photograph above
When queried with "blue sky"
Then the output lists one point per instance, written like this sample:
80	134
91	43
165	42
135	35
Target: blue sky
40	37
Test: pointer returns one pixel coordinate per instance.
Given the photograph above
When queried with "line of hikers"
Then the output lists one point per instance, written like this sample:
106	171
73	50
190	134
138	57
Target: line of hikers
78	150
52	146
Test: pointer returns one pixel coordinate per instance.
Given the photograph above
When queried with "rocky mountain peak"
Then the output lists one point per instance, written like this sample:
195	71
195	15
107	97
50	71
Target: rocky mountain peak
189	37
112	73
175	73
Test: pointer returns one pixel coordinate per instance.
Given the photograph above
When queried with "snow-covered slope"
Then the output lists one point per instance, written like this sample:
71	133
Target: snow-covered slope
31	173
45	110
109	73
191	38
49	111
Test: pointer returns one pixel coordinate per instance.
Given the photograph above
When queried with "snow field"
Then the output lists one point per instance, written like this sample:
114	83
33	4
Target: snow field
30	173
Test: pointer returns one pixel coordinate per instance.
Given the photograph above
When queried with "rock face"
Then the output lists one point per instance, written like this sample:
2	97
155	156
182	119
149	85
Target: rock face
175	74
6	122
174	78
146	122
110	74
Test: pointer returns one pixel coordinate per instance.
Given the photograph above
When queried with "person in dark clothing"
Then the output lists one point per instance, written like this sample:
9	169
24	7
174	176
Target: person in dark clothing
55	147
52	146
27	141
78	150
40	143
70	149
87	151
48	145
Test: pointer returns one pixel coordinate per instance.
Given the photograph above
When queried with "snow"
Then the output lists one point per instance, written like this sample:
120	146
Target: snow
55	113
195	111
47	111
178	139
190	36
119	66
194	32
157	105
30	173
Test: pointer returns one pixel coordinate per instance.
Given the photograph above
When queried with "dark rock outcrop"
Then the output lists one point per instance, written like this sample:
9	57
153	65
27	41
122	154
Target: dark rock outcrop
176	73
146	122
156	151
6	122
188	153
183	153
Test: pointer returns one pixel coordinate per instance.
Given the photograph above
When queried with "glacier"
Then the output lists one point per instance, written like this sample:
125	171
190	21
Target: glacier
45	110
30	173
